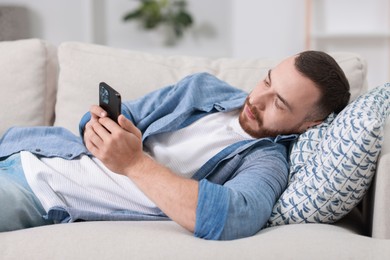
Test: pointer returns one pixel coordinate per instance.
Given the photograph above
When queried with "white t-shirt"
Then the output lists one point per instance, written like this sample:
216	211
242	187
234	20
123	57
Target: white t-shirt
186	150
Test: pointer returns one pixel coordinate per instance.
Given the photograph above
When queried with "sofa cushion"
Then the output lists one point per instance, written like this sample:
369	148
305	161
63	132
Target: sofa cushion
134	74
156	240
332	165
29	76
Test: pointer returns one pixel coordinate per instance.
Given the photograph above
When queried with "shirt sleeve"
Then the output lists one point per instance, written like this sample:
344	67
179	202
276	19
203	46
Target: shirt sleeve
84	120
242	206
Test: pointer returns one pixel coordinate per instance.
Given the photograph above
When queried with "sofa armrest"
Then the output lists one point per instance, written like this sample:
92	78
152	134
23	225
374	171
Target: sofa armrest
380	199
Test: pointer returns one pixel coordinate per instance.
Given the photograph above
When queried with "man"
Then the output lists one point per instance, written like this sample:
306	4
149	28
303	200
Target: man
204	154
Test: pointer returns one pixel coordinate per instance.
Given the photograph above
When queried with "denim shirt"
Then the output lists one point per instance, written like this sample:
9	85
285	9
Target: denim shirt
237	187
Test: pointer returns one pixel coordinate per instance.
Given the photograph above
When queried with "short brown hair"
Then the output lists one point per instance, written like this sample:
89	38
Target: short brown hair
328	76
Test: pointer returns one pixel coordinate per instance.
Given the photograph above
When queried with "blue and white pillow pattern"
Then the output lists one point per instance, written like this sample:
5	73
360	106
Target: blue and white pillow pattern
332	165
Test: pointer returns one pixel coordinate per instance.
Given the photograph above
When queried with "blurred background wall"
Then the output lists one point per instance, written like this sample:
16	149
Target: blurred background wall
222	28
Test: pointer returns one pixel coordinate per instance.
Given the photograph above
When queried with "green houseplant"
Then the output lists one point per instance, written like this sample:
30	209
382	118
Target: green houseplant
169	13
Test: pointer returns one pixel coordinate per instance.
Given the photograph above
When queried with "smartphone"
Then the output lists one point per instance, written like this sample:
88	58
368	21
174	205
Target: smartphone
110	101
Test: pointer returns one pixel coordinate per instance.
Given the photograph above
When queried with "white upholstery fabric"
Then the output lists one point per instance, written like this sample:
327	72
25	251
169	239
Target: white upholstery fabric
28	82
380	197
167	240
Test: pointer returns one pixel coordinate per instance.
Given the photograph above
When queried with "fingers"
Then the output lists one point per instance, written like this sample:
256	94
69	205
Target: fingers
127	125
93	140
101	130
97	112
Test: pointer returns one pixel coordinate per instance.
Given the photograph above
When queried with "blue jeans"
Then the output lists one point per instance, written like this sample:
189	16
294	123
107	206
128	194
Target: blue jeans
19	207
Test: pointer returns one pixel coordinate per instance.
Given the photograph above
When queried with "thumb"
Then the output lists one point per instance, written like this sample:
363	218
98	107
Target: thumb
127	125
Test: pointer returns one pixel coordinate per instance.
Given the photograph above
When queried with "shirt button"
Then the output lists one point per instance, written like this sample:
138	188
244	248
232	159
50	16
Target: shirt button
37	150
69	155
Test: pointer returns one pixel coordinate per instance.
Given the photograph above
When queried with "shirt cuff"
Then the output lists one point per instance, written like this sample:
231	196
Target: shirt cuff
84	120
211	211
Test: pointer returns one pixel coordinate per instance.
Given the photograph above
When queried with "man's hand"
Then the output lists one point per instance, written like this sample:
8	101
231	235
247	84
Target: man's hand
119	147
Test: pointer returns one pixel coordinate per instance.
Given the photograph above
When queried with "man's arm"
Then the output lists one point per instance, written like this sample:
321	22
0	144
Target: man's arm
119	147
176	196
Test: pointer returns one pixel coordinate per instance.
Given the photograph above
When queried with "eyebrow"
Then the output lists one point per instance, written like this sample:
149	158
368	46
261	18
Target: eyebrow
284	101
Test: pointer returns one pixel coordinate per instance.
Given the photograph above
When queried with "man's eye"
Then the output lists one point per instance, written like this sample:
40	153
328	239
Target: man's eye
266	82
278	104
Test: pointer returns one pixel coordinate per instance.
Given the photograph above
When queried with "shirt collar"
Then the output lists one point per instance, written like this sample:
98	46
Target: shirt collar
285	138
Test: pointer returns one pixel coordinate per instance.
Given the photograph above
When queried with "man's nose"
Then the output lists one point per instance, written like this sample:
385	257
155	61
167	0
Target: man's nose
261	101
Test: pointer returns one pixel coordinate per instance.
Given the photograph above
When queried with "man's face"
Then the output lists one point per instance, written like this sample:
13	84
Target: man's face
281	103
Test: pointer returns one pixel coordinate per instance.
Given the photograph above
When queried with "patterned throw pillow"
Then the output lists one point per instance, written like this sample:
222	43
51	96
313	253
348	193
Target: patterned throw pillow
332	165
306	145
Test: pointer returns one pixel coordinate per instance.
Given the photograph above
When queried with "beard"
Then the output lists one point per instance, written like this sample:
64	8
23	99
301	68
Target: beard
261	131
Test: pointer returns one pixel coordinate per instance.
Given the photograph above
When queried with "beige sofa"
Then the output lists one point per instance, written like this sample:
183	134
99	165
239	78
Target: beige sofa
45	85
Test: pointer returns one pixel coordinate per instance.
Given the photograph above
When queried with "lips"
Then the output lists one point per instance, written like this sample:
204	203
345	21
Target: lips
249	112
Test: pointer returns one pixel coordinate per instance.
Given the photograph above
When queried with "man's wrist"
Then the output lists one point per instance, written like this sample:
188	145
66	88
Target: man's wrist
140	166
